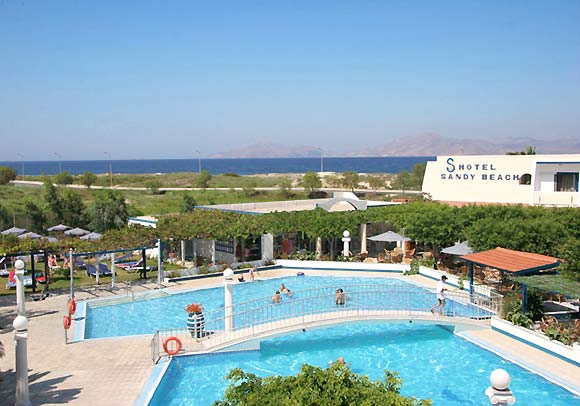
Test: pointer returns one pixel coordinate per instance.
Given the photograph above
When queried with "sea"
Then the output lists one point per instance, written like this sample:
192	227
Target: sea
240	166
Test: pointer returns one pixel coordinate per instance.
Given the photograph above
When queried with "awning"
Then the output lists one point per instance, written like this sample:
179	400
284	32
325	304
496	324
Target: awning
513	262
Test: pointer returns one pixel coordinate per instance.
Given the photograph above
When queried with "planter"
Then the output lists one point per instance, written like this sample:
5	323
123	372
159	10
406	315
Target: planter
196	324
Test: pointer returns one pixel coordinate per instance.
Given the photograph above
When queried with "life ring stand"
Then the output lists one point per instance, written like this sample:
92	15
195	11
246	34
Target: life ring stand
176	349
72	307
66	321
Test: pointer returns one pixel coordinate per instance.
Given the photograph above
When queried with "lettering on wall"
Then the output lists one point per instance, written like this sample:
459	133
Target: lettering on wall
472	171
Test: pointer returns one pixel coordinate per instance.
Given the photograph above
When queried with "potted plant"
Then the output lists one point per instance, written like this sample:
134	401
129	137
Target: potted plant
195	320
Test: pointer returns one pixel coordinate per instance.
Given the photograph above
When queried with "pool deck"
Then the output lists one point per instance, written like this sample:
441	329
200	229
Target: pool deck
113	371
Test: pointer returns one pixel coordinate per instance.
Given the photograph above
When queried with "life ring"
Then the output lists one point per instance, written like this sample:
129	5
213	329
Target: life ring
66	322
72	307
176	349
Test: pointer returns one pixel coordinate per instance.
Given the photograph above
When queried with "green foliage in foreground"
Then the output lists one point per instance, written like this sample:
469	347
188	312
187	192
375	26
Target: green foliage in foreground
336	385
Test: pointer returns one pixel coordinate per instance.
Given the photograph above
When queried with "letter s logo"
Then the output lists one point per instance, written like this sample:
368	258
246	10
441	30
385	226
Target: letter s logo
450	165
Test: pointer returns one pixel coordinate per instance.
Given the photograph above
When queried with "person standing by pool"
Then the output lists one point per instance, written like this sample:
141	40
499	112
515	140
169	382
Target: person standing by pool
440	296
251	273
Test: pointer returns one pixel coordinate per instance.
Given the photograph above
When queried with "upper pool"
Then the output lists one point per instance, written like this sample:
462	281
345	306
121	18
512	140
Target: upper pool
147	316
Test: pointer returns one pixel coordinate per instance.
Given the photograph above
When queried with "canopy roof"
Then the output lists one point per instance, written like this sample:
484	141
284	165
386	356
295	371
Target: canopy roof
460	248
514	262
14	230
389	236
59	227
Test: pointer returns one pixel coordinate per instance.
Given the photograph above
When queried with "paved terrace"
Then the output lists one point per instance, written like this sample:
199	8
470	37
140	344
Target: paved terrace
113	371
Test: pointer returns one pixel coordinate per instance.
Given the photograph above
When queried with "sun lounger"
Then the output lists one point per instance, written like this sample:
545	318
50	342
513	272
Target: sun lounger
123	258
11	284
131	264
103	270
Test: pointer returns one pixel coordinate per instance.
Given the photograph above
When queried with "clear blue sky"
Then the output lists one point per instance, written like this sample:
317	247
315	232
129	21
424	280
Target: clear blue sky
161	79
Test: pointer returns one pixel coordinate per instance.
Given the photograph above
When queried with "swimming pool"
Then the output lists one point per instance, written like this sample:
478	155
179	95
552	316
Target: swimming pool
433	362
147	316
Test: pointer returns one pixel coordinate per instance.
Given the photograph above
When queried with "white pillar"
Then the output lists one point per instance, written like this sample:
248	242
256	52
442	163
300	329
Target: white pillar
213	261
499	393
363	239
19	272
112	270
267	242
20	325
159	264
318	248
229	299
72	273
97	262
182	244
346	242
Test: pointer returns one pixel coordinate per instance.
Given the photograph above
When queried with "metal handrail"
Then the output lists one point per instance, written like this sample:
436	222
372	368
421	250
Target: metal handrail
259	317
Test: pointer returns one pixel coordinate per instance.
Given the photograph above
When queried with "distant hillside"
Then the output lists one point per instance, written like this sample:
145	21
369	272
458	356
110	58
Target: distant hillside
418	145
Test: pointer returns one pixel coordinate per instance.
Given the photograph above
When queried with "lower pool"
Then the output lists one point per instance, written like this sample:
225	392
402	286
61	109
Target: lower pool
433	362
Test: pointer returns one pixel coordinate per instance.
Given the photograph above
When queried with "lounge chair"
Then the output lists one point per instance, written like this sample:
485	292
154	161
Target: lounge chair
131	264
103	271
122	258
11	284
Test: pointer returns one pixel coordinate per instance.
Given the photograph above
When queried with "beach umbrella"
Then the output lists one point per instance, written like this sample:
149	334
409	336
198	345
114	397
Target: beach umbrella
14	230
391	236
76	232
91	236
51	239
31	235
59	227
460	248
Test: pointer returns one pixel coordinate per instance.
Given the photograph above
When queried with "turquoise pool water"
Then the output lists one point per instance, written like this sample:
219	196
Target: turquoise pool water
433	362
147	316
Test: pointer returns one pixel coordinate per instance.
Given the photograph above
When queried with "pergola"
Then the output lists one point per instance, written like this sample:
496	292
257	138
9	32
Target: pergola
514	263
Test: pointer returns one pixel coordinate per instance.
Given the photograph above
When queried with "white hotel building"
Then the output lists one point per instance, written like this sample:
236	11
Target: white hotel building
546	180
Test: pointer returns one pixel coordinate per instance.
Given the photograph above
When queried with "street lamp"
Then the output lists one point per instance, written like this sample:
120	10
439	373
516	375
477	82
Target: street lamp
198	161
110	169
19	155
20	325
321	160
59	162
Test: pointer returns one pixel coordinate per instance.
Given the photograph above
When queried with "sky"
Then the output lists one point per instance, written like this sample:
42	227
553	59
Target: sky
141	79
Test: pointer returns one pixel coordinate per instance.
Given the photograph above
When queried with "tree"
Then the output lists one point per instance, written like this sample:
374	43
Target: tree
64	178
188	203
570	253
285	187
249	189
7	174
108	211
528	151
153	185
53	200
336	385
36	217
350	180
73	209
5	218
311	182
88	179
376	182
203	179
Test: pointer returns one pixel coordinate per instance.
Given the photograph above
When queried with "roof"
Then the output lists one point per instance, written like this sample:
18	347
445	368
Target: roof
515	262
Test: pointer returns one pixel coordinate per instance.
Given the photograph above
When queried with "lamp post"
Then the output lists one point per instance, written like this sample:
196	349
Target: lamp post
499	393
346	242
198	161
20	325
321	160
19	155
110	169
229	299
59	162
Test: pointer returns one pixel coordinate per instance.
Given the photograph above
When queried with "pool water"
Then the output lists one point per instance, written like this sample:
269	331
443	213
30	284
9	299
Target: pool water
147	316
433	362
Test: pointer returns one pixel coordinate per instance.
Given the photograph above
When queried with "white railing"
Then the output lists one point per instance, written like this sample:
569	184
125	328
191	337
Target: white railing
261	317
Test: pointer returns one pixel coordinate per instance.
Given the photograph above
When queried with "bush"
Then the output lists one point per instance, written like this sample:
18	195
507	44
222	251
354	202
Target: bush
6	175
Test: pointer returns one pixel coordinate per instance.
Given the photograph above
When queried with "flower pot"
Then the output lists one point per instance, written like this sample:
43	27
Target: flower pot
196	324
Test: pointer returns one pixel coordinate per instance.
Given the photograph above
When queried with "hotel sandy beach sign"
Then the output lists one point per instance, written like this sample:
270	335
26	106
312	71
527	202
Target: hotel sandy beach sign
461	169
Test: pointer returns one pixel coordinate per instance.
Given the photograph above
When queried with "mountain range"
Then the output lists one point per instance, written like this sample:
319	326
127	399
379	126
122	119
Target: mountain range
418	145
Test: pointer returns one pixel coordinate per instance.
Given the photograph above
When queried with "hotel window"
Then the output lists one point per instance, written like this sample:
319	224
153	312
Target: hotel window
526	179
566	182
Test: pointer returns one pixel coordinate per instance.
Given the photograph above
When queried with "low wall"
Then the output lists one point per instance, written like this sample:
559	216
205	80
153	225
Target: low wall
341	266
562	351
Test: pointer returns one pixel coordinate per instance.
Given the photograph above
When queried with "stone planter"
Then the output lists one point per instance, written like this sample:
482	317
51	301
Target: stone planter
196	324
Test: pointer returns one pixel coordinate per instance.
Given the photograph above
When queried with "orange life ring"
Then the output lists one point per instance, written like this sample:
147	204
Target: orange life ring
72	307
177	342
66	322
